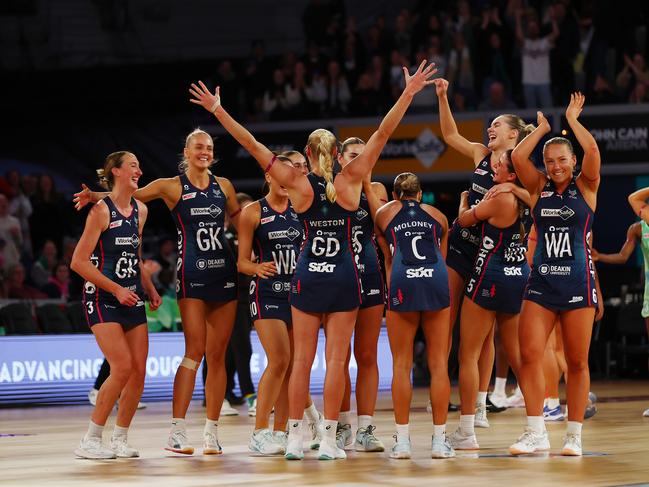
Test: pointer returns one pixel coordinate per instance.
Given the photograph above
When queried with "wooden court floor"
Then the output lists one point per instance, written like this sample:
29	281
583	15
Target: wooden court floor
36	448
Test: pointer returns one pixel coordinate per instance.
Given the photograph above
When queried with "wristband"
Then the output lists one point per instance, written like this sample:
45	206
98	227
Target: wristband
217	104
641	210
235	213
272	161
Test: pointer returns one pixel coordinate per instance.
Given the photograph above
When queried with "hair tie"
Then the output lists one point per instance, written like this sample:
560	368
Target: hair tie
641	210
272	161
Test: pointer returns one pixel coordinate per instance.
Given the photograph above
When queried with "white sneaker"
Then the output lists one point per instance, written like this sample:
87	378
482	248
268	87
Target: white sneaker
401	448
281	438
264	443
481	420
93	449
315	433
294	449
92	396
646	413
442	448
344	435
366	441
330	451
530	442
211	445
227	409
141	405
121	448
572	445
429	408
516	400
461	441
498	399
178	442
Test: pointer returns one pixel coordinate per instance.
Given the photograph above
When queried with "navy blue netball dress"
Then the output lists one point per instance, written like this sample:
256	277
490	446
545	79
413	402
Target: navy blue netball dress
463	243
500	270
326	277
367	258
419	279
206	265
276	239
563	274
117	257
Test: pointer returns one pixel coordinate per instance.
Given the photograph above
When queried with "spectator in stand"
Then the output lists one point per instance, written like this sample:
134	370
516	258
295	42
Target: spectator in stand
427	97
16	287
314	60
57	286
316	92
378	43
435	55
48	220
275	103
45	265
227	79
351	60
564	53
497	100
10	236
460	66
634	73
21	208
397	84
296	97
425	29
535	51
256	77
365	101
403	36
496	63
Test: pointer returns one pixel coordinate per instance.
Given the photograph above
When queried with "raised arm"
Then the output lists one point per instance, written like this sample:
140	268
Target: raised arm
286	175
376	195
475	150
638	201
633	234
531	178
591	163
364	162
247	224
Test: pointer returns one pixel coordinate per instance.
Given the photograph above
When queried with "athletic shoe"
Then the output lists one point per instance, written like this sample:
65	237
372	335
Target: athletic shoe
343	435
265	443
331	451
572	445
178	442
646	413
234	399
493	408
366	441
452	408
92	396
442	448
294	449
227	409
141	405
530	442
401	448
251	401
592	397
481	420
211	445
281	438
121	449
315	430
92	448
591	410
461	441
497	400
554	414
516	400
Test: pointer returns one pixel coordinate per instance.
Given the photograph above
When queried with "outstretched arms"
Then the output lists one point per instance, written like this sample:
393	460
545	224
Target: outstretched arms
531	178
632	236
591	163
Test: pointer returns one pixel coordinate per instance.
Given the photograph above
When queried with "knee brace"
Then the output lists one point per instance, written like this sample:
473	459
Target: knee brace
189	364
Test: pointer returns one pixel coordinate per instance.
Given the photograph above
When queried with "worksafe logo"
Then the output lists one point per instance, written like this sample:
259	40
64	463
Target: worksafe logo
426	148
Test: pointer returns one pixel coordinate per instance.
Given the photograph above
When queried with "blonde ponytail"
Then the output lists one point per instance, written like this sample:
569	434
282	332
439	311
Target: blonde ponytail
323	146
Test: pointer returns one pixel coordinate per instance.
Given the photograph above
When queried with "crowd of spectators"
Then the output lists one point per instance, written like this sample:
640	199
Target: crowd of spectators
502	54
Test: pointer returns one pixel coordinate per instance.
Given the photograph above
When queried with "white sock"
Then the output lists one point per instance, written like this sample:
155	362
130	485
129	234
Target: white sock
439	430
536	424
553	402
364	421
119	431
178	424
499	386
345	417
295	428
467	422
94	430
518	391
574	427
482	399
311	414
403	430
329	426
210	425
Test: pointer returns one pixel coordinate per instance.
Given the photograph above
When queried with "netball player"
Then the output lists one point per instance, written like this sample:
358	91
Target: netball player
325	287
108	257
206	286
370	314
494	292
562	280
413	239
637	233
504	133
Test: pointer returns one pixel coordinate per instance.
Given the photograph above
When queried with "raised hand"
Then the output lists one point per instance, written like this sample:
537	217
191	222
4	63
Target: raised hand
265	270
82	198
203	97
126	297
542	122
441	86
576	105
417	82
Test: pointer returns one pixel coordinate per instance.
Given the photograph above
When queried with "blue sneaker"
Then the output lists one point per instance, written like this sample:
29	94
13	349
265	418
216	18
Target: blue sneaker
554	414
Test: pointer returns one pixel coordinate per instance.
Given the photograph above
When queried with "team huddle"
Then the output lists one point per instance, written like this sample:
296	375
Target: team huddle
517	259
